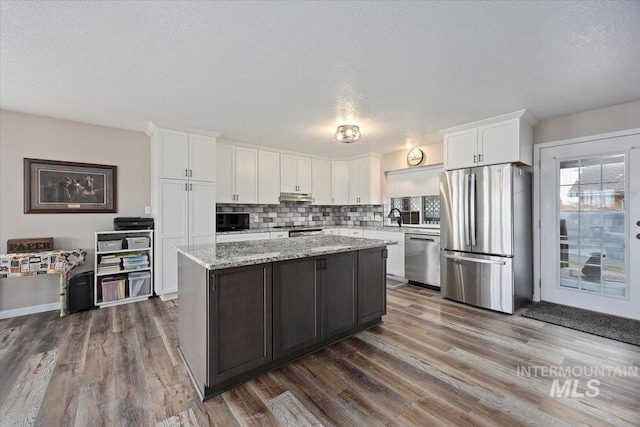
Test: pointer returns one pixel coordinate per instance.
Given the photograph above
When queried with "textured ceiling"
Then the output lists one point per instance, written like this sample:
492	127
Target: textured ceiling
285	74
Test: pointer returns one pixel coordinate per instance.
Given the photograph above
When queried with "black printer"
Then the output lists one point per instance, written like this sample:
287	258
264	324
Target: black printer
127	223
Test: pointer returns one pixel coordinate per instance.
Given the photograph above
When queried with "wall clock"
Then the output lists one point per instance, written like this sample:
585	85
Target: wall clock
415	156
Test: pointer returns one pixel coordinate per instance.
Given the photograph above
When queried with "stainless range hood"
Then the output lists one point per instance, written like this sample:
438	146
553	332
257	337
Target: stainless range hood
296	197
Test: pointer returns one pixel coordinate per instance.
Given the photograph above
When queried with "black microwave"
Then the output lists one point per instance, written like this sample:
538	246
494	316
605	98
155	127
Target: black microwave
232	221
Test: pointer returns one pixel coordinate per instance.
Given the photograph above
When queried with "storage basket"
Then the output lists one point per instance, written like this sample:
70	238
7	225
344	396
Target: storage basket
112	288
139	284
137	242
109	245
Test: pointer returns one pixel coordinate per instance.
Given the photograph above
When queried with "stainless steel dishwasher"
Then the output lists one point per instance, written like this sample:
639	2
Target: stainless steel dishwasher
422	258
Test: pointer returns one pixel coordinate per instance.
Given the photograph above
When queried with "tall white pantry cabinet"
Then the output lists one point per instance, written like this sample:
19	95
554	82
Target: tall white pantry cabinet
183	196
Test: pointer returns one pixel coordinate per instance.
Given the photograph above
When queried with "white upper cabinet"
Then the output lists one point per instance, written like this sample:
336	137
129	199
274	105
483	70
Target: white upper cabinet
321	182
364	181
288	182
340	182
295	174
246	175
225	174
237	174
183	155
202	151
503	139
172	151
303	174
268	178
460	148
501	143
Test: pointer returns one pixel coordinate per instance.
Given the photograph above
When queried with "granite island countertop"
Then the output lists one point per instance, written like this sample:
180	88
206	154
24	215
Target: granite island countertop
236	254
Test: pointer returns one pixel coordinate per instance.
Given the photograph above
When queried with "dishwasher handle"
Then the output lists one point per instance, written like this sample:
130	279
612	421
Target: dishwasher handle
422	238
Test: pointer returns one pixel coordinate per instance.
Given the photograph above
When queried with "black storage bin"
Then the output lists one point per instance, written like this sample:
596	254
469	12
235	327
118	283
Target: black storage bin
80	292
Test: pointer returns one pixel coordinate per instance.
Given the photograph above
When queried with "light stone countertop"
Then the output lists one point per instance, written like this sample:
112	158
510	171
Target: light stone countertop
392	228
237	254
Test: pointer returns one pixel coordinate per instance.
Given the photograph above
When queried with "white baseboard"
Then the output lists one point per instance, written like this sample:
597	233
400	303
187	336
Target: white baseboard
169	296
7	314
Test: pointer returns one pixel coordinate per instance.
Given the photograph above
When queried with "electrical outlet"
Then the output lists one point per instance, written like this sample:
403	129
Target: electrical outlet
256	218
147	210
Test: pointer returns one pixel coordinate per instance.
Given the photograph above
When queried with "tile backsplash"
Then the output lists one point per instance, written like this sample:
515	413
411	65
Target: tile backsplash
290	214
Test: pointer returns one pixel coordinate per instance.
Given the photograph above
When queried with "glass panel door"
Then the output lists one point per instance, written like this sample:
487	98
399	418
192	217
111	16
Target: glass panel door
592	224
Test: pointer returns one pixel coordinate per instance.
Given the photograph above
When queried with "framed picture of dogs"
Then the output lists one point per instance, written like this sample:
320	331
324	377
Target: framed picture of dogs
52	186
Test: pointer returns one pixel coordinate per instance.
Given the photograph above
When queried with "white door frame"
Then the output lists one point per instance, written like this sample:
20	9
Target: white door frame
536	194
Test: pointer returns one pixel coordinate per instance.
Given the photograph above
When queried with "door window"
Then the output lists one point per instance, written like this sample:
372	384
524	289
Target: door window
592	224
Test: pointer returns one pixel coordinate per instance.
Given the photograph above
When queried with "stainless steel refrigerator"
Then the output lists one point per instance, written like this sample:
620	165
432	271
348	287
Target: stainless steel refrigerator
486	236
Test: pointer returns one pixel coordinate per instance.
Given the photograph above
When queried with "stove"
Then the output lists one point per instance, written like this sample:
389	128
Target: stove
305	232
292	226
301	230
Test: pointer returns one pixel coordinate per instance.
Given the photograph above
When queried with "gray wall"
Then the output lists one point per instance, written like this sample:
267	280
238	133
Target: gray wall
23	135
592	122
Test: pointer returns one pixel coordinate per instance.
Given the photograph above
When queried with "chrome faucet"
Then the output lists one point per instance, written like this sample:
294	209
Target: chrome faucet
399	217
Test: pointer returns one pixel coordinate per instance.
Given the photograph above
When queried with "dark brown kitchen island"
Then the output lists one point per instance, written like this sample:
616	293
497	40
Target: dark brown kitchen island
245	308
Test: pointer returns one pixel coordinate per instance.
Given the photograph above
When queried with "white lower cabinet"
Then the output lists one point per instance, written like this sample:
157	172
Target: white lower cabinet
355	233
185	215
242	237
395	253
331	231
351	232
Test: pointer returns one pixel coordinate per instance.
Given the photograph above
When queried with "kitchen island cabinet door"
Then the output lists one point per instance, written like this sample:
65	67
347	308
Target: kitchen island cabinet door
337	293
296	295
240	321
372	289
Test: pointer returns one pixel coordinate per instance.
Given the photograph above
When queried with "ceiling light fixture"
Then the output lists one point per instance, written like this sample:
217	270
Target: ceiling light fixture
348	134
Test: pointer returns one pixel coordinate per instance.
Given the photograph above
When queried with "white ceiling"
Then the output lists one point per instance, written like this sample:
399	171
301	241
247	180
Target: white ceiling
285	74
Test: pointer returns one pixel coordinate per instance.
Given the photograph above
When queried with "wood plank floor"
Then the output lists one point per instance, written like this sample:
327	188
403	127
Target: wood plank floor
432	362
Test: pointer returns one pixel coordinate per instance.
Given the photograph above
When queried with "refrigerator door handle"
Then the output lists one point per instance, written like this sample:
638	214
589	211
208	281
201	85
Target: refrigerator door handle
478	260
472	203
466	210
